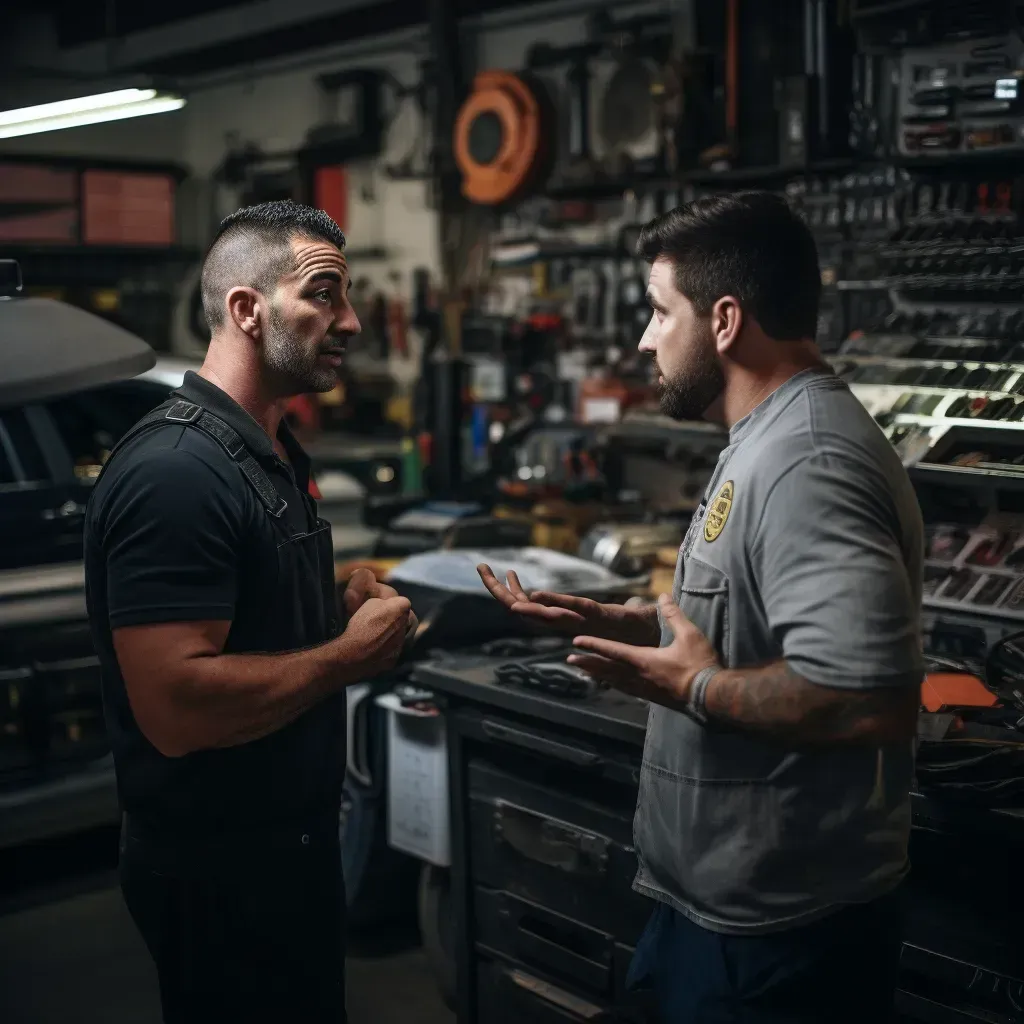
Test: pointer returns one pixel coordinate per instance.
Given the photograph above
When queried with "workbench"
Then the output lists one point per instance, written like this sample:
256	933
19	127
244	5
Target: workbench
542	792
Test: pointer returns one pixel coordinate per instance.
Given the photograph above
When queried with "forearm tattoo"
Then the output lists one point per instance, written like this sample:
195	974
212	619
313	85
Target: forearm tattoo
777	702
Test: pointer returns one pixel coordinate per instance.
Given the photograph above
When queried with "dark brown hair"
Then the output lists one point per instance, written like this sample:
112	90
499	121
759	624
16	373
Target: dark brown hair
251	249
747	244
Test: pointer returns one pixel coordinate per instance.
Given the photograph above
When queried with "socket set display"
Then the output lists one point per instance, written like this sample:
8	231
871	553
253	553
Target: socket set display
993	453
982	328
859	204
981	567
961	235
977	334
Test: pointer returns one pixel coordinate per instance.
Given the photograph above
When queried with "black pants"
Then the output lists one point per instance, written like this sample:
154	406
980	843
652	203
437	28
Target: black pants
244	929
839	970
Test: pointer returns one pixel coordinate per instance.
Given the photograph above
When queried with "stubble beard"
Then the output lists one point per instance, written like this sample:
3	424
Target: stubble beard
690	393
287	359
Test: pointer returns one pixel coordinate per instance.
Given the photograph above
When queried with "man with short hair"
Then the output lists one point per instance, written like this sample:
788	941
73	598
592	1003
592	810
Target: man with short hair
211	593
783	674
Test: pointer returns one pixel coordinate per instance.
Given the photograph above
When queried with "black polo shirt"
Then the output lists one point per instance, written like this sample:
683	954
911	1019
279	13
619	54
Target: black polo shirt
175	533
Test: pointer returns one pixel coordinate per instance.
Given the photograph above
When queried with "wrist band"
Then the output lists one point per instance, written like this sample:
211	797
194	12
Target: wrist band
695	706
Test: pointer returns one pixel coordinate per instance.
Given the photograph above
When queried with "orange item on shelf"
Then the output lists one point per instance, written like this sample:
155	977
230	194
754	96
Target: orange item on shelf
955	690
499	138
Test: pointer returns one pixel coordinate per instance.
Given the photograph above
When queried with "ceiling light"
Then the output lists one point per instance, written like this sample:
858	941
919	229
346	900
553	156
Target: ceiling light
107	106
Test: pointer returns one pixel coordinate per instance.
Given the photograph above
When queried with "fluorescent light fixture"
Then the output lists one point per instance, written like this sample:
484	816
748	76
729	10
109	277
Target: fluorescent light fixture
107	106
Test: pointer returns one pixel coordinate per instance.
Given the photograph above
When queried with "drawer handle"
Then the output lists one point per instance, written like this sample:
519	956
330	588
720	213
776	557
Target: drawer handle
553	995
563	953
542	745
554	936
917	1007
553	843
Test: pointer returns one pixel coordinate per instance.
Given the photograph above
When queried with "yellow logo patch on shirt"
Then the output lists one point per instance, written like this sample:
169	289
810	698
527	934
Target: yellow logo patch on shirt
718	513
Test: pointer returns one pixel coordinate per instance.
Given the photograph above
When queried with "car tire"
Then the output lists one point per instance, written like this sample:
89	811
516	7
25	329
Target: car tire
436	928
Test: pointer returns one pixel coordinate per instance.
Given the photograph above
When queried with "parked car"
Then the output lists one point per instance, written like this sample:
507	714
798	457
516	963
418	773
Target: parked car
56	773
65	392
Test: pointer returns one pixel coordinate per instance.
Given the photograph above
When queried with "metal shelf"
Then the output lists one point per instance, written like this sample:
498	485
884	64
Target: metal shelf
98	265
1008	158
911	419
614	188
960	283
986	570
513	254
919	389
80	163
882	284
905	362
965	476
939	604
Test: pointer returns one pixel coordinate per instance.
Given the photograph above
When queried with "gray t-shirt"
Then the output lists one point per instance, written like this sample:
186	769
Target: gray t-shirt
810	549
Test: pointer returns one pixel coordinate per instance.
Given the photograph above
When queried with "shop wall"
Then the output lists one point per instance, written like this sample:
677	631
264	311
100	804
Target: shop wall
148	138
272	105
274	109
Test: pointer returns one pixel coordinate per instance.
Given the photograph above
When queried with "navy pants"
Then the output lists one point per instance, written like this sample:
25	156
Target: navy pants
839	970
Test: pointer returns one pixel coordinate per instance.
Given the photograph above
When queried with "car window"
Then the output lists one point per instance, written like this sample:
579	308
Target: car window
21	458
7	474
91	422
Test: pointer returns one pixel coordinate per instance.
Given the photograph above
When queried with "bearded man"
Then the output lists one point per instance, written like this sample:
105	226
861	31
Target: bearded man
784	671
211	593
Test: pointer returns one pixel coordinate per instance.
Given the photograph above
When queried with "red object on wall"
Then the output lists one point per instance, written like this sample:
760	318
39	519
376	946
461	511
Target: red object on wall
127	208
330	193
38	204
304	412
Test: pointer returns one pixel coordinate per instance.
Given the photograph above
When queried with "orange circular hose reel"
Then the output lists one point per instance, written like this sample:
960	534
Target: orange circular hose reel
499	138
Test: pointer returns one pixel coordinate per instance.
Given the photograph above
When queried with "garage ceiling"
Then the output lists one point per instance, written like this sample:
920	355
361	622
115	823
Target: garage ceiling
85	22
192	37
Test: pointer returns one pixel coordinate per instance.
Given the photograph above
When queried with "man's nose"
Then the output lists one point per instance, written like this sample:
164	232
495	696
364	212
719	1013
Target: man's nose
348	322
647	342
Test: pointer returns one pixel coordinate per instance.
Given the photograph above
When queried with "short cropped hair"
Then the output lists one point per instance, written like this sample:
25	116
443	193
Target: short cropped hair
251	249
750	245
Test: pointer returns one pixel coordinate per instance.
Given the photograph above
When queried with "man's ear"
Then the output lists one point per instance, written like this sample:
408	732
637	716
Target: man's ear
726	323
245	309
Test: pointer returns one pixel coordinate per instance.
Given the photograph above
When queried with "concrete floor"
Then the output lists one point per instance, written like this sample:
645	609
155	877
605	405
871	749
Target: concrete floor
69	951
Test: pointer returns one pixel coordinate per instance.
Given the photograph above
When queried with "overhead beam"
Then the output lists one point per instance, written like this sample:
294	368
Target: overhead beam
178	38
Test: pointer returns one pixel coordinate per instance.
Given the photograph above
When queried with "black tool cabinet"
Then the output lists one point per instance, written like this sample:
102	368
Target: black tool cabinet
543	790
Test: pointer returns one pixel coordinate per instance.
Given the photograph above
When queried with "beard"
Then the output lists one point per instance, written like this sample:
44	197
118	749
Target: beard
689	394
297	366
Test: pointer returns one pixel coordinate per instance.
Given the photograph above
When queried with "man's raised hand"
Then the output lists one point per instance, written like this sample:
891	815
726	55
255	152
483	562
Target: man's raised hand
570	615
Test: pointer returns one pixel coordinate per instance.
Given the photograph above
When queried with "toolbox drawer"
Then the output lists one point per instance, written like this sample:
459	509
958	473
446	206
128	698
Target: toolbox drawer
537	937
538	844
508	994
608	771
